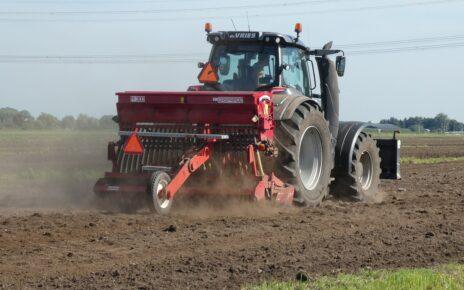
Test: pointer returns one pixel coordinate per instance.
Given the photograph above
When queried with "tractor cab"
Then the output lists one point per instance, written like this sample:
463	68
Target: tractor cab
257	61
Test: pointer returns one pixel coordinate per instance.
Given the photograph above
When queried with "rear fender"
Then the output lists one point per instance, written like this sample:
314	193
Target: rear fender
285	105
346	140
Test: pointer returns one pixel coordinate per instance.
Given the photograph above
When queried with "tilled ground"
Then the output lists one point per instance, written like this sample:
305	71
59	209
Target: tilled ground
419	223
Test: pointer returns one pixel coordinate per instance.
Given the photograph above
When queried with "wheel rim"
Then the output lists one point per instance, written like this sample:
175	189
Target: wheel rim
310	158
161	196
366	170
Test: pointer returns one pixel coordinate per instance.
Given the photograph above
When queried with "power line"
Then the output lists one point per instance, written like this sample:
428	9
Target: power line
213	17
406	49
403	41
170	10
189	57
96	2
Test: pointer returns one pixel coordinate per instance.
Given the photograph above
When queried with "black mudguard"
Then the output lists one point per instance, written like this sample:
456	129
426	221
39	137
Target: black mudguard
285	105
389	150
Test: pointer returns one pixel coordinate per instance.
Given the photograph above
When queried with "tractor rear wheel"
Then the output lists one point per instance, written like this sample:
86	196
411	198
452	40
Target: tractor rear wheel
362	183
305	158
161	204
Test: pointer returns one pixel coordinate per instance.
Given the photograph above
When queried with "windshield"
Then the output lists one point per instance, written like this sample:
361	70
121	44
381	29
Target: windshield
245	67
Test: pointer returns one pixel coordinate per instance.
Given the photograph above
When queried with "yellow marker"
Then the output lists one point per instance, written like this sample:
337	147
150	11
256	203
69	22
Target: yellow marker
266	109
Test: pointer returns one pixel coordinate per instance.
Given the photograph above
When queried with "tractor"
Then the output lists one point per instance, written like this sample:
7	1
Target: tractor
266	115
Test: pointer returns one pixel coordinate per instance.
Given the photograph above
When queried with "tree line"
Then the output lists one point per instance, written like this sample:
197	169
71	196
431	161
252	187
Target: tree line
439	123
14	119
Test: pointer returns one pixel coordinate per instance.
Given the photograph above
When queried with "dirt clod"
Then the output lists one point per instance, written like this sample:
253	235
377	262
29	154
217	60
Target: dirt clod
170	229
429	235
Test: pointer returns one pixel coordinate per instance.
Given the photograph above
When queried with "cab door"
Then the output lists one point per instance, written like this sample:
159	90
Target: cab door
295	72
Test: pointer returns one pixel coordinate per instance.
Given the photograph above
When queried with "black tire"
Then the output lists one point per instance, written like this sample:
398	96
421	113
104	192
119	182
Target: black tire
158	181
299	162
362	183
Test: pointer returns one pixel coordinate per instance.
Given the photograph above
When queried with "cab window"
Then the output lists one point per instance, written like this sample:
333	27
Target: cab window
245	67
296	73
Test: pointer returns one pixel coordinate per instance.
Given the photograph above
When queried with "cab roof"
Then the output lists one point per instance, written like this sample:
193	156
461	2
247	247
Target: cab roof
255	36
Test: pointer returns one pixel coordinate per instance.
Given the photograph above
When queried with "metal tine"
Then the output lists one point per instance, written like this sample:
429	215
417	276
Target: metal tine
121	158
145	149
125	158
172	146
122	164
127	163
150	152
155	149
170	152
135	167
180	128
152	147
135	159
120	155
134	162
166	147
160	145
176	148
161	155
139	159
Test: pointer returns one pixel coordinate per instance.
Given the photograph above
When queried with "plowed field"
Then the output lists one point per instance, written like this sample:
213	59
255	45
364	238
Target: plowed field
52	236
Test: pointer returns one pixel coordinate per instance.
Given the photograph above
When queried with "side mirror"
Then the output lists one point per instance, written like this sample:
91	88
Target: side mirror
340	65
201	65
284	67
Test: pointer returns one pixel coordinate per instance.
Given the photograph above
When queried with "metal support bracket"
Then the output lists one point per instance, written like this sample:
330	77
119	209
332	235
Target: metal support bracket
189	167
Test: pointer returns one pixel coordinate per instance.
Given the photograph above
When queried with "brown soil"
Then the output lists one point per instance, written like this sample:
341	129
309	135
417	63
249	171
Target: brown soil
419	223
424	147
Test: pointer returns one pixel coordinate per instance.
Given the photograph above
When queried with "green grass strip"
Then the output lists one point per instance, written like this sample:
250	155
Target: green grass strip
442	277
430	160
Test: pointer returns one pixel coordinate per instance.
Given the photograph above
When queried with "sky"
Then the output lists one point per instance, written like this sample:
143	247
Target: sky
422	75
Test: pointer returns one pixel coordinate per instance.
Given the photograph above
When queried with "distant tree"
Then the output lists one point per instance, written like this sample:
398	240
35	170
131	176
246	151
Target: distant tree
431	124
68	122
442	122
393	121
47	121
455	126
24	120
106	122
84	122
417	128
439	123
7	117
411	122
12	118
